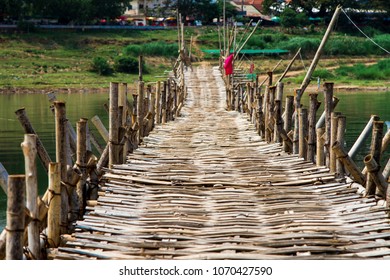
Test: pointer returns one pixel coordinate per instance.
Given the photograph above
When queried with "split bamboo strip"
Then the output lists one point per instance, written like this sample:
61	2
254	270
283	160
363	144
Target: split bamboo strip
30	154
15	217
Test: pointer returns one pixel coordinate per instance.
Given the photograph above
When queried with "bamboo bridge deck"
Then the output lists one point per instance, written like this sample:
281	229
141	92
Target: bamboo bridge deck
206	187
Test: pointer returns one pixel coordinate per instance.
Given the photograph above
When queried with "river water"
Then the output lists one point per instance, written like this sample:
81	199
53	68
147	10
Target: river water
358	107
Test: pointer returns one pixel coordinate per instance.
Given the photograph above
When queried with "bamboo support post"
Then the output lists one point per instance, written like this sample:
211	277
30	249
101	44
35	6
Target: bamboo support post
3	178
30	155
328	91
54	213
140	109
164	103
279	97
113	130
61	150
341	126
15	217
289	108
348	163
122	104
363	136
333	138
321	120
320	157
3	240
303	132
158	103
297	104
375	152
81	163
311	137
28	129
374	171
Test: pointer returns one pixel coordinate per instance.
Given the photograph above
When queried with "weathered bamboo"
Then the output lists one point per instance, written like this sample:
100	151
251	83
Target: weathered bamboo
113	157
363	136
28	129
297	104
81	163
348	163
385	141
158	102
333	138
30	155
373	170
321	120
288	67
271	111
386	170
375	151
320	49
140	105
122	104
341	126
3	178
320	157
61	150
289	108
303	132
15	217
164	103
3	239
328	91
54	213
103	160
279	97
311	137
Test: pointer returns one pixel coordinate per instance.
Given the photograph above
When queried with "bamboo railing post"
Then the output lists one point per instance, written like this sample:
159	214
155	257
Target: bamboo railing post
122	103
158	102
374	172
3	178
260	116
152	109
113	126
297	104
140	109
303	129
271	112
54	213
101	128
28	129
288	118
15	217
320	157
81	163
328	91
61	150
30	154
348	163
164	103
279	97
341	126
311	137
375	151
333	138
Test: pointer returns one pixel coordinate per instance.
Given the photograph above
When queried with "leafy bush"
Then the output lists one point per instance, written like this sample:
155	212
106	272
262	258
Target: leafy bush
379	71
126	64
308	45
101	66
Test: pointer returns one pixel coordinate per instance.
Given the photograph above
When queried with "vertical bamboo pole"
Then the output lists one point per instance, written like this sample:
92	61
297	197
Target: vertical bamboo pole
122	103
375	151
3	178
30	154
320	157
271	113
113	126
28	129
81	164
61	150
328	91
303	133
333	138
341	126
297	103
158	103
140	109
53	216
288	118
15	217
279	97
311	142
373	169
164	103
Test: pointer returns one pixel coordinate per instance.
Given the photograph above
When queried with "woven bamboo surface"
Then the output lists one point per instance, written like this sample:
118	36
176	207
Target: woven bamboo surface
206	187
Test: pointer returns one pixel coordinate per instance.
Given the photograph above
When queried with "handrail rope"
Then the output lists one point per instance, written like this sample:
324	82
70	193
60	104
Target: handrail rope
369	38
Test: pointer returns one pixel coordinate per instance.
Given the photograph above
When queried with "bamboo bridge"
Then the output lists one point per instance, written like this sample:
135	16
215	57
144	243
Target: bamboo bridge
207	186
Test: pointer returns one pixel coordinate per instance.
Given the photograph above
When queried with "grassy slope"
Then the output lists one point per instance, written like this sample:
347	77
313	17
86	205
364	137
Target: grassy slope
61	59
